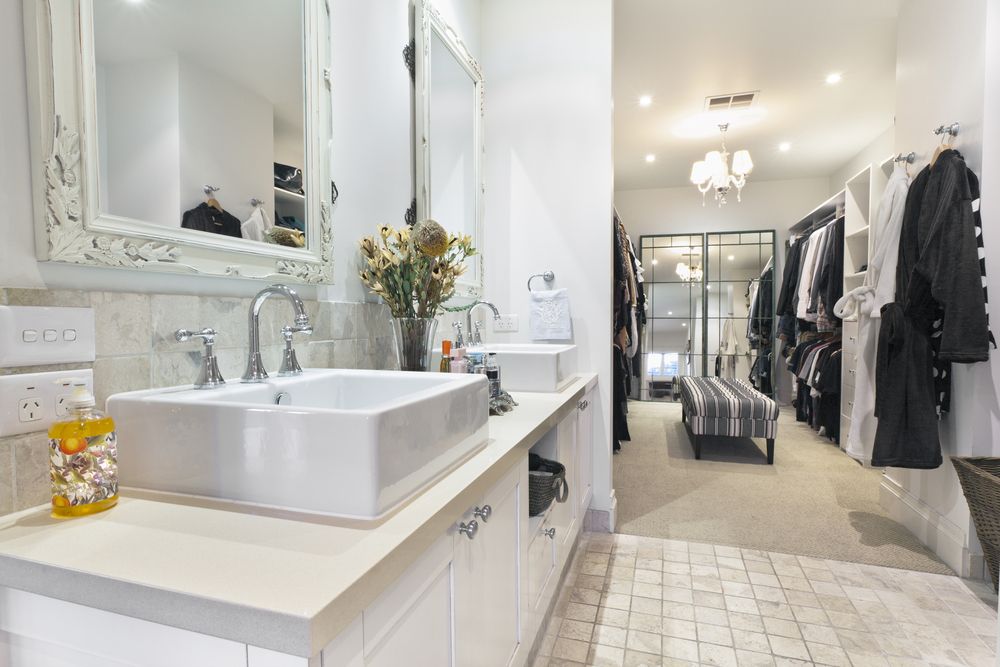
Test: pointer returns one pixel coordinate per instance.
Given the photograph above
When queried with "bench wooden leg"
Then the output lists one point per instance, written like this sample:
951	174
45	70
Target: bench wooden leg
770	451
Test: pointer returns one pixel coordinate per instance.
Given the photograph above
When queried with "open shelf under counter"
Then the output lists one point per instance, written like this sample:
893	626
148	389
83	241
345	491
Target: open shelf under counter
858	233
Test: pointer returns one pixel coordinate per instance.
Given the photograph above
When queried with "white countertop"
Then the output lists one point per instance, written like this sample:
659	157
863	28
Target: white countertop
278	583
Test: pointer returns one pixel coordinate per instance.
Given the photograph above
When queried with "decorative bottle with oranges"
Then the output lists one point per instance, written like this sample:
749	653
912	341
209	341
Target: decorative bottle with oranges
83	458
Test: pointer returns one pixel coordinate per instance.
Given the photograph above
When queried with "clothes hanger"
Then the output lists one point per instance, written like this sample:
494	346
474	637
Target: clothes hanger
210	191
947	132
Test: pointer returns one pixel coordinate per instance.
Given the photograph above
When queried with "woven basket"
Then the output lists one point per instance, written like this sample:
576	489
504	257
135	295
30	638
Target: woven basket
980	478
546	482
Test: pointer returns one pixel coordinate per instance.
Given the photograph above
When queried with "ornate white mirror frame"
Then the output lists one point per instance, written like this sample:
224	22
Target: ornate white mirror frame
427	22
69	225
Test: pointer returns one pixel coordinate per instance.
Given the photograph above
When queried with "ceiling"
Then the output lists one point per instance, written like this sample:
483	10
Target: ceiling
680	52
255	43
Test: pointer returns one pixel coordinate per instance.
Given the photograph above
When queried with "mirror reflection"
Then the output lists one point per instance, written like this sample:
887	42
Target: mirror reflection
710	308
200	115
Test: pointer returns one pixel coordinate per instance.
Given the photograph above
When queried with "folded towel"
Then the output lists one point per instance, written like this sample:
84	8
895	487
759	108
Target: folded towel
549	315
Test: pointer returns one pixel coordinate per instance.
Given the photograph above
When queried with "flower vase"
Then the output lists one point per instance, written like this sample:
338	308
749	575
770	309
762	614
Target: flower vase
414	342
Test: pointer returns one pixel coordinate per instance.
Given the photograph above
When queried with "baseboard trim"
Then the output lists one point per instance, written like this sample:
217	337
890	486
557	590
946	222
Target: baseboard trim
602	521
937	532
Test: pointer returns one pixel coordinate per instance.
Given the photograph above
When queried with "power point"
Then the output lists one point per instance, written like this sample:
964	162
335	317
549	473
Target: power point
505	324
62	409
29	409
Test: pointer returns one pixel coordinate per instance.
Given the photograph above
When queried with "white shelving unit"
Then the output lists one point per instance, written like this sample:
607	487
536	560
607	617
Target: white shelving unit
862	191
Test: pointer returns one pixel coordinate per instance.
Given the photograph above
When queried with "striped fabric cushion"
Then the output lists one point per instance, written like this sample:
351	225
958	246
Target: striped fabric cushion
719	406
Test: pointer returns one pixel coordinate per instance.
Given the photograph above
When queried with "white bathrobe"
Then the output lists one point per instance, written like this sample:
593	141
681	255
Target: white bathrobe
877	290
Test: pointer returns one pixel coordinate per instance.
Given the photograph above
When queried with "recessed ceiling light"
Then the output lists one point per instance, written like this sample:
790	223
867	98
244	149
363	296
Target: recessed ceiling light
645	100
708	287
731	257
784	146
670	312
650	158
833	78
655	261
684	324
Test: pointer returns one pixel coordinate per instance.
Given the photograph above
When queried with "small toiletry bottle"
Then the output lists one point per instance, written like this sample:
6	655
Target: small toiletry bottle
458	361
445	356
475	361
493	374
83	461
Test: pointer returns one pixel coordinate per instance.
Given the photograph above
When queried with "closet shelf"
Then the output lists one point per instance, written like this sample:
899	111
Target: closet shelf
853	276
858	232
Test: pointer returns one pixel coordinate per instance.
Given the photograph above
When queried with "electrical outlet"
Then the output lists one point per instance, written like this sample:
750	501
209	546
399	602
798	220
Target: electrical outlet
505	324
29	409
33	401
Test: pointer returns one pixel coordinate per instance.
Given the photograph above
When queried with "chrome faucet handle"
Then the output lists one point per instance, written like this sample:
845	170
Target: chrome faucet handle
477	333
209	376
289	362
459	340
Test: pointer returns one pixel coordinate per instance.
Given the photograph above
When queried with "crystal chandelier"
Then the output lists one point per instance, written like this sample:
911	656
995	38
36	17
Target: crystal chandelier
689	273
714	171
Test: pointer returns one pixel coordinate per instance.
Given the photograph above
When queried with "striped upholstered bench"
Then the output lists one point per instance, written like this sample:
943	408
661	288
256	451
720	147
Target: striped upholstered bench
719	406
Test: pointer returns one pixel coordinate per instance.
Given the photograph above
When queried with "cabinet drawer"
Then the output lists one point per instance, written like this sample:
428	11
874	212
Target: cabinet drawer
541	560
850	337
846	399
849	368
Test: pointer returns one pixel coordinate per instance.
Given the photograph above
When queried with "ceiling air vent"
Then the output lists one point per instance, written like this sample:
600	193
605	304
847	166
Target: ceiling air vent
732	101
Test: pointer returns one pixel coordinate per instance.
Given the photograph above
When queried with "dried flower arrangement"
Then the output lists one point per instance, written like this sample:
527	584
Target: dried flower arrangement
414	269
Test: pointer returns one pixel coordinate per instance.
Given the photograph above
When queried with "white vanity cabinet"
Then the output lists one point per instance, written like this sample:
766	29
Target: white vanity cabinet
486	576
585	451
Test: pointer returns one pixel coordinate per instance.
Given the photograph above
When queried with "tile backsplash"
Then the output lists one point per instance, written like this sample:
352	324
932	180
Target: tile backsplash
136	349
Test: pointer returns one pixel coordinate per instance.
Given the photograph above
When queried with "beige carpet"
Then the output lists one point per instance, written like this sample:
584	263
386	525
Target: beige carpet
814	500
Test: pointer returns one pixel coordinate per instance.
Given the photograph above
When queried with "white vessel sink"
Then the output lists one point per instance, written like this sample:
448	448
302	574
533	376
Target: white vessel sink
347	443
535	366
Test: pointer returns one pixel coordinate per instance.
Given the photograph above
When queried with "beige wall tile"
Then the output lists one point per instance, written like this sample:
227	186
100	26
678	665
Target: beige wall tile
41	297
6	476
122	323
31	463
168	369
117	374
171	312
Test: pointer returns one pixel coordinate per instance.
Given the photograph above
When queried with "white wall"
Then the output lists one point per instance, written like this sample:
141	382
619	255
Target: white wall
879	149
226	140
141	135
940	78
549	174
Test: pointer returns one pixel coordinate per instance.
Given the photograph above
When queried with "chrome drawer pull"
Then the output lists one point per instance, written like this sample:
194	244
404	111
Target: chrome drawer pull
469	529
550	532
484	513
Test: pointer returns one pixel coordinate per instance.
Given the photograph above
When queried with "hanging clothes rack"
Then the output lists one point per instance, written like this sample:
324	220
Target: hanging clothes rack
909	158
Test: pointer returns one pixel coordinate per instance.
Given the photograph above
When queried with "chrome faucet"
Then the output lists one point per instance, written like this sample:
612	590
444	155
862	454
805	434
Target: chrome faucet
255	371
476	337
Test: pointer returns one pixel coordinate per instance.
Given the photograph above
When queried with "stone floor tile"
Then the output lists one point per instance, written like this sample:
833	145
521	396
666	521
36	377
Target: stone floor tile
606	656
764	579
676	557
775	610
846	621
795	583
713	654
616	601
621	586
707	599
737	589
803	599
824	654
759	566
700	548
742	605
581	612
782	628
769	594
646	642
676	580
617	618
751	641
680	649
579	630
645	622
585	596
711	616
729	552
866	659
674	594
571	649
648	576
737	576
715	634
746	622
753	659
819	634
643	605
608	635
678	610
676	567
788	648
731	563
647	590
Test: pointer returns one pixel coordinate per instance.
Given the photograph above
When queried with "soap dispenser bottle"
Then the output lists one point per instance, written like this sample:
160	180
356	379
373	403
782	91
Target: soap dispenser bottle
83	458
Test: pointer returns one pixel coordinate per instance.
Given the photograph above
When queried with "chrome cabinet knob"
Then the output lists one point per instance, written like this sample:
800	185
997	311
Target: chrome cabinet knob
469	529
550	532
484	513
583	405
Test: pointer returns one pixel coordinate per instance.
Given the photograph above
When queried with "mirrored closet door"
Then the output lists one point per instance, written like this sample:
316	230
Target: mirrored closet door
710	310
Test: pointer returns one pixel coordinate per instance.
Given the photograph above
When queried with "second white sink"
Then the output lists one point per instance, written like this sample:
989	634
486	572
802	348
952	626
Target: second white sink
348	443
535	366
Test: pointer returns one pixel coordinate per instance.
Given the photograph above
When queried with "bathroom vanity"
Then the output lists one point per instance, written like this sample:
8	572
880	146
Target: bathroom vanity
458	575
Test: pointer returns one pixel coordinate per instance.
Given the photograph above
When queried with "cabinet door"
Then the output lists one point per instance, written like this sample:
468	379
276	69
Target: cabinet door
411	622
585	450
564	515
487	580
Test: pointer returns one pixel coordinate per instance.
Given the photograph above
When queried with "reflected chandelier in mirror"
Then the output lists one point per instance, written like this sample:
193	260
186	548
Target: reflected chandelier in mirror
161	141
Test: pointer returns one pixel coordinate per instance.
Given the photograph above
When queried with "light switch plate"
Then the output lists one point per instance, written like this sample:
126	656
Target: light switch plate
33	336
505	324
46	390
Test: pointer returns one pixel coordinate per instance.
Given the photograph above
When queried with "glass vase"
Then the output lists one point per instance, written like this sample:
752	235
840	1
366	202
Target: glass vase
414	342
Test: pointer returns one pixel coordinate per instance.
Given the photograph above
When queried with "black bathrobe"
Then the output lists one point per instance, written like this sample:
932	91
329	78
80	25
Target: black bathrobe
940	312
